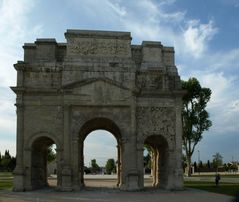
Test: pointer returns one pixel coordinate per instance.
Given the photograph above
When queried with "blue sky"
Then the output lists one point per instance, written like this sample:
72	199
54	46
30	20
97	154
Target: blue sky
204	34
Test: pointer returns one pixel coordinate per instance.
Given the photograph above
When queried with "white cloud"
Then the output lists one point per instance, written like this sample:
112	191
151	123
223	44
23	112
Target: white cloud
219	85
100	145
13	33
8	145
235	106
223	105
120	10
152	21
196	36
225	61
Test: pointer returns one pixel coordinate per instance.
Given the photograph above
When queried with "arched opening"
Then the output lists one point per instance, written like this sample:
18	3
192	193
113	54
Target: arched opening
156	154
96	127
44	163
100	159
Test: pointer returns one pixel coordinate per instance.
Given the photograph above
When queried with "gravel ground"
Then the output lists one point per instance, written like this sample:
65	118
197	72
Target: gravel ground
111	195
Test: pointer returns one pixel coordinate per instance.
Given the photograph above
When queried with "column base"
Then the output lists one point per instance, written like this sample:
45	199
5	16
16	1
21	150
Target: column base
66	180
132	182
18	180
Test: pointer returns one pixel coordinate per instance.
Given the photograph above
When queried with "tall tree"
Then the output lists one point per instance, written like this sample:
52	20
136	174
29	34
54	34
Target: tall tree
94	166
194	116
208	164
110	166
6	162
217	160
51	154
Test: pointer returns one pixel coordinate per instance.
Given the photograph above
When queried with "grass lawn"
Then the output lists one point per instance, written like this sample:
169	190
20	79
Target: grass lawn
222	175
224	188
6	180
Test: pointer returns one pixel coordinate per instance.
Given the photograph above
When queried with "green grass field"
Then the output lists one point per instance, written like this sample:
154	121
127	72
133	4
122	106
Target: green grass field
6	181
224	188
222	175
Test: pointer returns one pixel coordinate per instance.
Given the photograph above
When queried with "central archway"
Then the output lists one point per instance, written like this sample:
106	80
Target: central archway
100	124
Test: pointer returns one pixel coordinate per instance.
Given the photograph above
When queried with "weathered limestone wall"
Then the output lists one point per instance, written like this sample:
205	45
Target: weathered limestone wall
98	80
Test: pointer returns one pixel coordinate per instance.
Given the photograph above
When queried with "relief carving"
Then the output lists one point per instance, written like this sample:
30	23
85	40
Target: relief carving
97	47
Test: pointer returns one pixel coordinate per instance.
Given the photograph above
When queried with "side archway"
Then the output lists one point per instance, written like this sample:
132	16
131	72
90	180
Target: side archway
38	173
159	153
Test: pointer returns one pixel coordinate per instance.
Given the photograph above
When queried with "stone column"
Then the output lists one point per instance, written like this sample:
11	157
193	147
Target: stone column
66	136
118	166
130	173
154	167
130	154
66	170
58	167
157	172
178	152
170	183
19	170
140	163
28	169
152	160
81	164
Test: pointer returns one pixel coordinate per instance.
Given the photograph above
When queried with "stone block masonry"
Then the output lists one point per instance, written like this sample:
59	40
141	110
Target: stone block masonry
98	80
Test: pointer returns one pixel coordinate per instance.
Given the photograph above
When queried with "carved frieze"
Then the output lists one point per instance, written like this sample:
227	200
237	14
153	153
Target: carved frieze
100	47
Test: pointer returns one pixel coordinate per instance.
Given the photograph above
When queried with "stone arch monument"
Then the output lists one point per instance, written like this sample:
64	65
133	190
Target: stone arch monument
98	80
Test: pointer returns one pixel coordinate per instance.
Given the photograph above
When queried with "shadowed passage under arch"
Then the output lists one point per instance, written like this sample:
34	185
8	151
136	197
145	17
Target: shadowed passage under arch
158	148
39	160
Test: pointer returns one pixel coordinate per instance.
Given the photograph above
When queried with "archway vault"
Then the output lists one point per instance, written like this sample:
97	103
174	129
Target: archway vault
41	134
100	123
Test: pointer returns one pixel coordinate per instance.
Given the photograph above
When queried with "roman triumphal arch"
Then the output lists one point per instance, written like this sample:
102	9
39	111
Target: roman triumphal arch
98	80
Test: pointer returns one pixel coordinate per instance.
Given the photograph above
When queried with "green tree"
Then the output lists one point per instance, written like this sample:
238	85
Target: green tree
217	160
208	164
147	158
195	166
0	160
51	154
6	161
195	118
94	166
110	166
